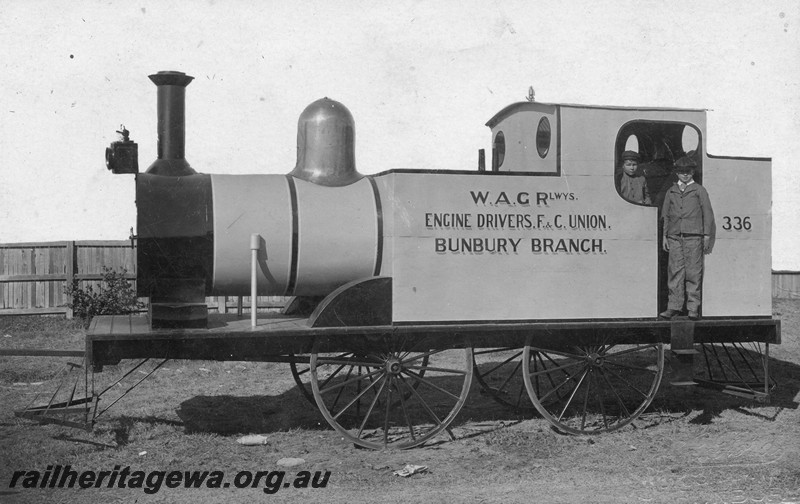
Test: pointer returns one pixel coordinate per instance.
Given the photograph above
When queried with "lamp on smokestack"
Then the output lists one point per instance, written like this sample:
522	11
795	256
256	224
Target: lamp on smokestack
171	124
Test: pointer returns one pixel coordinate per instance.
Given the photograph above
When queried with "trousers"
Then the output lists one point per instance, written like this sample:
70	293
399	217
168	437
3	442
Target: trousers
685	272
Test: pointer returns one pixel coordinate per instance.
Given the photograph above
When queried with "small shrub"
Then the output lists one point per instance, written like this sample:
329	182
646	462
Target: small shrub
115	296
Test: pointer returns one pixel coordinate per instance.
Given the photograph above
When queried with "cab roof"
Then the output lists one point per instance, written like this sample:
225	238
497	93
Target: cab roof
526	105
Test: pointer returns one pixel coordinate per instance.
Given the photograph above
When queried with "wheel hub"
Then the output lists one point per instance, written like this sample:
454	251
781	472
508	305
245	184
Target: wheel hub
393	366
595	359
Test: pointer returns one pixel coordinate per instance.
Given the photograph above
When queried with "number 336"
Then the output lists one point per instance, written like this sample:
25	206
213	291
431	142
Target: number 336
736	223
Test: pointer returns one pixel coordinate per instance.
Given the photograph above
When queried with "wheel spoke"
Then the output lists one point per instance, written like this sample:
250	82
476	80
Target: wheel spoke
572	395
388	411
348	382
616	394
492	370
502	380
585	405
438	369
357	399
493	350
511	375
579	360
417	357
371	406
333	375
544	366
566	380
629	384
558	368
557	352
639	348
341	390
405	411
428	383
600	401
424	404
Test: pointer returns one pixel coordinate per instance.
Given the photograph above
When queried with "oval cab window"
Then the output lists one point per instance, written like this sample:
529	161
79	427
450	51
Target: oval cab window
632	144
543	137
500	148
690	140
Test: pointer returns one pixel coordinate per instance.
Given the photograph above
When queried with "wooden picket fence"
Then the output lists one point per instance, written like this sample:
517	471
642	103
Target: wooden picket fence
786	284
33	276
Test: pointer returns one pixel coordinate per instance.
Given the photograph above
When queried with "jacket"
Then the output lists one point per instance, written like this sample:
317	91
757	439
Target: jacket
634	189
688	212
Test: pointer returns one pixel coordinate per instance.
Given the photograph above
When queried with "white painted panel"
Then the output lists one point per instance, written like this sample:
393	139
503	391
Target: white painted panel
620	282
738	273
338	235
243	205
737	279
540	266
519	131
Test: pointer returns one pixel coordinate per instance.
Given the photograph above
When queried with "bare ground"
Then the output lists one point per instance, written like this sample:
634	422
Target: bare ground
693	445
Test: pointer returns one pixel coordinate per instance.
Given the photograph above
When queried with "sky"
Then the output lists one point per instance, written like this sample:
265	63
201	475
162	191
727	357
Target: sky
420	78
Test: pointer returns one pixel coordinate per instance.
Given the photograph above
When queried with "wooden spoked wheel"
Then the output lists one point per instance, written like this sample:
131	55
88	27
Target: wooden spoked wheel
393	398
499	373
592	389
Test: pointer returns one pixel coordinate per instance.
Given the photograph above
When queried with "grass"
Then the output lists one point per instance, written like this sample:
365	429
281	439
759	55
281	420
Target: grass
36	332
693	445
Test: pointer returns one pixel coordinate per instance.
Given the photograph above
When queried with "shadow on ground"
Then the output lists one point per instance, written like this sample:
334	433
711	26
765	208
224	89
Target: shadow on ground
228	415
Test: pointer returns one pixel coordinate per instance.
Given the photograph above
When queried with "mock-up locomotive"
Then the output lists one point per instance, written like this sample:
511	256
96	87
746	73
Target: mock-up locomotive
543	235
536	276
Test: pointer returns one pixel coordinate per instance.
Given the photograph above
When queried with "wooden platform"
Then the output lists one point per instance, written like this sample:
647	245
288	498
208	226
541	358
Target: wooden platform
275	337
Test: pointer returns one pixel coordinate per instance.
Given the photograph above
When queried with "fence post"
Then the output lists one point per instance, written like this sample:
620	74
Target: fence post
70	274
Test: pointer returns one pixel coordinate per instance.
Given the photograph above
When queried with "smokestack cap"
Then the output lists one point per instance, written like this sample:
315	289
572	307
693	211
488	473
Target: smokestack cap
171	78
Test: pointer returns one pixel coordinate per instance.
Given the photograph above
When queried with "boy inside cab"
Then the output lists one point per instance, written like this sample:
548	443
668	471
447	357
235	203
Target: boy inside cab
632	185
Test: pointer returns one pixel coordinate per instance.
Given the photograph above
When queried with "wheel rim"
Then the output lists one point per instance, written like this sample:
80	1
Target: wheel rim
499	373
394	398
591	389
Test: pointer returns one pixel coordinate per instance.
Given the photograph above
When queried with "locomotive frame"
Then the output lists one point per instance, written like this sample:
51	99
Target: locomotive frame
427	370
374	343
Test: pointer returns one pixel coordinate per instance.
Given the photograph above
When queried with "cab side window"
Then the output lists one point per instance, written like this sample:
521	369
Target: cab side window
657	144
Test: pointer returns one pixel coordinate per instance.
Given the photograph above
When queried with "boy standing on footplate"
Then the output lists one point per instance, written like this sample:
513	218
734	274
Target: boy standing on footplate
688	234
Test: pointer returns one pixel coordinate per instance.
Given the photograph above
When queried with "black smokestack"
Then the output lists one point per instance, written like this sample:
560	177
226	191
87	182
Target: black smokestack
171	124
